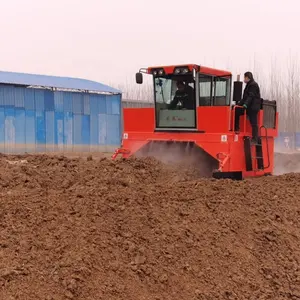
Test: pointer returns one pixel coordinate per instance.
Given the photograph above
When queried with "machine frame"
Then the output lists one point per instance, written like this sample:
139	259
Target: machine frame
236	157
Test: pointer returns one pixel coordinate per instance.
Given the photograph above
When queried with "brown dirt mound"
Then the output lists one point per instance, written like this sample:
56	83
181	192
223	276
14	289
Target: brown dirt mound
136	229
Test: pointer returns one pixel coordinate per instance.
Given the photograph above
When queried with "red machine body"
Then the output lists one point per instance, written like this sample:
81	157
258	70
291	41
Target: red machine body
231	155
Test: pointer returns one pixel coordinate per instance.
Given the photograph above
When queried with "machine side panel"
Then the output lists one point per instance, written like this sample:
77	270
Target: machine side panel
237	153
214	119
139	119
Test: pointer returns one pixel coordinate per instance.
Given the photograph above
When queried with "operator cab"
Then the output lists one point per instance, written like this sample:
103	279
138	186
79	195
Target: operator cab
180	90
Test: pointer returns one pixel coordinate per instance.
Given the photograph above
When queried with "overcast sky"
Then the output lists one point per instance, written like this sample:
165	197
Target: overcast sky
108	41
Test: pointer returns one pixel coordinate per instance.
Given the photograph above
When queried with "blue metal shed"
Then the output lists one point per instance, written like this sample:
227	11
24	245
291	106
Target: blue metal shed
41	113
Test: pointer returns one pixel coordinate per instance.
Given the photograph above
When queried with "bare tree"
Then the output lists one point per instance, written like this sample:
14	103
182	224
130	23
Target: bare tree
137	92
292	93
275	91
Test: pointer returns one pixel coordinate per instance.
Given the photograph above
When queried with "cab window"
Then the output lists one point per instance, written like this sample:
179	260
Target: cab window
222	91
205	90
214	91
175	102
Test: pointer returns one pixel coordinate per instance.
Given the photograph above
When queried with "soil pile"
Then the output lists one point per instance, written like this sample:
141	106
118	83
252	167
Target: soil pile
136	229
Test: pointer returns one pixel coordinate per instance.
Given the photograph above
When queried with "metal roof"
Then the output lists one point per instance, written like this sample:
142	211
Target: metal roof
67	83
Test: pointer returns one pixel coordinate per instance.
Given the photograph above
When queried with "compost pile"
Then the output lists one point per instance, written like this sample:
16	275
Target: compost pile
137	229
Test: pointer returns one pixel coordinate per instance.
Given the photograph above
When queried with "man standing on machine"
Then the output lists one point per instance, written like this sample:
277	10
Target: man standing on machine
251	102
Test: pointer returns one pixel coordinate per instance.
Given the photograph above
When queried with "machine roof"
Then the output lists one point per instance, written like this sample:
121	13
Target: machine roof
203	69
212	71
55	82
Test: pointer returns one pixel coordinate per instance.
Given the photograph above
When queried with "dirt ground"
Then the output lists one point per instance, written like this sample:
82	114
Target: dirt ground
92	229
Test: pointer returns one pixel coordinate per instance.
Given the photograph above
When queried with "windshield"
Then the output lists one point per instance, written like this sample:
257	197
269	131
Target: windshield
175	102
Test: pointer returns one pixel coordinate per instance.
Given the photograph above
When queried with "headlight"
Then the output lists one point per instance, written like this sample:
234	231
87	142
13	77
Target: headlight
159	72
181	70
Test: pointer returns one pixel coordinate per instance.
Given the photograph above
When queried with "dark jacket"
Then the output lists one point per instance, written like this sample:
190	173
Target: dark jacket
251	97
184	99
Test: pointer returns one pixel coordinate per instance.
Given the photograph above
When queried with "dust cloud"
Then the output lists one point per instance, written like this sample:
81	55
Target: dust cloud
187	155
184	155
286	163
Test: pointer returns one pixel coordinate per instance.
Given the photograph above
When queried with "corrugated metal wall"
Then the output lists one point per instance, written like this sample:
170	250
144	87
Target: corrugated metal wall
36	120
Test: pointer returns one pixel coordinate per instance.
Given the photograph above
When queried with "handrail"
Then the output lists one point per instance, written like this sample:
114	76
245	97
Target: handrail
245	117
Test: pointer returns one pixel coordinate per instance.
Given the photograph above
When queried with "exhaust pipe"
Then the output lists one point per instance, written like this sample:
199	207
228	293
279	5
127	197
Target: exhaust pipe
237	89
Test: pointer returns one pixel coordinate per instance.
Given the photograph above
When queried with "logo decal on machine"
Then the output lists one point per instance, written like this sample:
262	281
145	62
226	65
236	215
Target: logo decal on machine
224	138
125	136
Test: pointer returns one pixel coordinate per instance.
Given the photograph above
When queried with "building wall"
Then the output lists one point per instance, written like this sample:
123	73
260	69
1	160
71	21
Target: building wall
36	120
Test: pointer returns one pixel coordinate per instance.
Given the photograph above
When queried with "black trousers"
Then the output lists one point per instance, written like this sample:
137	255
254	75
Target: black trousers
252	118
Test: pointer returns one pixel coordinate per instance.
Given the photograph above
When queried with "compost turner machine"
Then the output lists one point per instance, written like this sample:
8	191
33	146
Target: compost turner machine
201	132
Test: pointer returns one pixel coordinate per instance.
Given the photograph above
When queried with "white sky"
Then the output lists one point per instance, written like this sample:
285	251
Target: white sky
108	41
